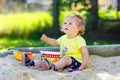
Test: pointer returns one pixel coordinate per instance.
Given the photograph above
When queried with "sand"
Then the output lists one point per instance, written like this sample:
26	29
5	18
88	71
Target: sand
105	68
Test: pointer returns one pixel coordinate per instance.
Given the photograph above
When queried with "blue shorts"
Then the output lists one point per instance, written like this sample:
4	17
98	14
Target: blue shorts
75	64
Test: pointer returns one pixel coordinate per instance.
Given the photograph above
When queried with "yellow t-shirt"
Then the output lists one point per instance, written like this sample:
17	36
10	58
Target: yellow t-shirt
71	47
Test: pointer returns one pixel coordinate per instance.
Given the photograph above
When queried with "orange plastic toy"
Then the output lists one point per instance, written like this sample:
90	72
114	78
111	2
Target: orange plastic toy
18	55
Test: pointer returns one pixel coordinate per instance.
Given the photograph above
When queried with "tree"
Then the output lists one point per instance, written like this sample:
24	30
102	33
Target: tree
92	20
55	28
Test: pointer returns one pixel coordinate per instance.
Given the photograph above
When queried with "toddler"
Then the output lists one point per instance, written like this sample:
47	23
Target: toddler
73	50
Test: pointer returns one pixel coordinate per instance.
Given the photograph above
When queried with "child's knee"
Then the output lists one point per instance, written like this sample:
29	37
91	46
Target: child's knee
67	59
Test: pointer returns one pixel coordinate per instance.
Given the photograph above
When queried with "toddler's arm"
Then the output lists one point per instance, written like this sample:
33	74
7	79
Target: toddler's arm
48	40
85	54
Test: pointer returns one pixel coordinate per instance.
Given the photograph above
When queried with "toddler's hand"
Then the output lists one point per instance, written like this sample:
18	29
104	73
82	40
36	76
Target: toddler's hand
44	37
81	68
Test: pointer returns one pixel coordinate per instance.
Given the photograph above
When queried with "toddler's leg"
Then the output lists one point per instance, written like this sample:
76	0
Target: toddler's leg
62	63
44	64
26	61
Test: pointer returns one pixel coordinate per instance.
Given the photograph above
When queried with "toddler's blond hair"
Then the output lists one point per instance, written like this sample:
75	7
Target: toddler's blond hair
80	22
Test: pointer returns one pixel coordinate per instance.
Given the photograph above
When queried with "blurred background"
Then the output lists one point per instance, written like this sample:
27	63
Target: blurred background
22	22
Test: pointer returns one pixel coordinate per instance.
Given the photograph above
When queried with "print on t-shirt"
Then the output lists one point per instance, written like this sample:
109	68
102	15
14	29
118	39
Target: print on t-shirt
64	49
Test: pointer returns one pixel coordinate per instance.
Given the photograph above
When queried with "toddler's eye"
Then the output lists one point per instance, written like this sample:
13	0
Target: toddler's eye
65	23
70	23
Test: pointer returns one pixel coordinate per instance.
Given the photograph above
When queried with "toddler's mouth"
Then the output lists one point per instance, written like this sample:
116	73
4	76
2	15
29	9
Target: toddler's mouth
65	28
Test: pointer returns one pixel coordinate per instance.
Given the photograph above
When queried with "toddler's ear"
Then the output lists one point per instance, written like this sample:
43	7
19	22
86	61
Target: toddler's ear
79	28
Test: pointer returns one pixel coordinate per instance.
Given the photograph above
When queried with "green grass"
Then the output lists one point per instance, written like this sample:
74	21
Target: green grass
111	14
6	43
102	42
24	23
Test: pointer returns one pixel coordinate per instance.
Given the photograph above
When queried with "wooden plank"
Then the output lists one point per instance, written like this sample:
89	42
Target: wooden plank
101	50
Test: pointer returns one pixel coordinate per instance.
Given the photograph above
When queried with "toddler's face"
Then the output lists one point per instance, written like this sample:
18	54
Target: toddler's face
70	26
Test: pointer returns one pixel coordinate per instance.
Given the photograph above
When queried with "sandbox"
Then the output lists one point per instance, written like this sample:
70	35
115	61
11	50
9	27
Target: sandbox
106	66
